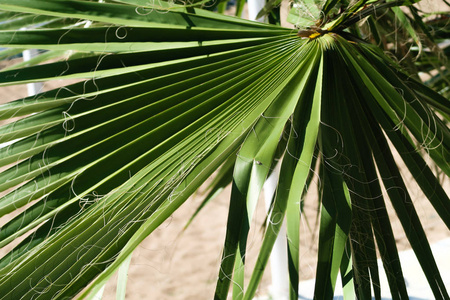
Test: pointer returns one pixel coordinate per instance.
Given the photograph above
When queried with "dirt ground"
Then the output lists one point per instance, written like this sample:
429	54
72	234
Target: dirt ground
182	264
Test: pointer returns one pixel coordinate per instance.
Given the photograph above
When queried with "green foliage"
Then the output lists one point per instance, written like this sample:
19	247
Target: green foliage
171	93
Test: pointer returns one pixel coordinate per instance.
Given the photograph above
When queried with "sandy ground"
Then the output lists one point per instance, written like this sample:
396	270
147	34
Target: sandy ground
182	264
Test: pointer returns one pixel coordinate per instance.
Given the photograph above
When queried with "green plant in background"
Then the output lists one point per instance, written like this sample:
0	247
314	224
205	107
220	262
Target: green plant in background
169	94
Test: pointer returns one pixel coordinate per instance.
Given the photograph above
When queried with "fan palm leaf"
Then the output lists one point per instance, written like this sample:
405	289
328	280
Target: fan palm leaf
168	94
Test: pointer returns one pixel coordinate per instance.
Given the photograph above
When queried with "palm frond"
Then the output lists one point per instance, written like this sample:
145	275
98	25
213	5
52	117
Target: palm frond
170	93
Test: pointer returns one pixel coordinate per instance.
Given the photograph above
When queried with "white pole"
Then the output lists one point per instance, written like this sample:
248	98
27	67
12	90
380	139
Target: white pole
33	88
279	289
254	7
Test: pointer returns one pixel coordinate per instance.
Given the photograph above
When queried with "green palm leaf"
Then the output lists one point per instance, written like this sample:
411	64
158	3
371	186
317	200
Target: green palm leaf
170	93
